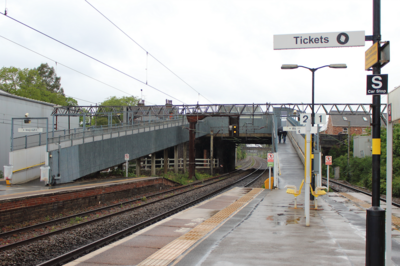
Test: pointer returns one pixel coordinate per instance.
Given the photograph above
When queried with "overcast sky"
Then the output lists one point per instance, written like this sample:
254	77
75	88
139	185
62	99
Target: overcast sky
222	49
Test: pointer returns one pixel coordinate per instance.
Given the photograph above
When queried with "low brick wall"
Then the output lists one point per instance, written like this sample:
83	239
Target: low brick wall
37	206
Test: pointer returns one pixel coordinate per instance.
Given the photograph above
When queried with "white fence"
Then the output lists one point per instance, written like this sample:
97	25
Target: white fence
200	163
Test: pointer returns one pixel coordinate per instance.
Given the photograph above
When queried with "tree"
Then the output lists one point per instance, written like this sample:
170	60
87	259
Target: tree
115	101
50	79
28	83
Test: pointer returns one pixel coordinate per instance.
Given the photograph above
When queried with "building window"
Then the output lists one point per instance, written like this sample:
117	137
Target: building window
364	131
344	130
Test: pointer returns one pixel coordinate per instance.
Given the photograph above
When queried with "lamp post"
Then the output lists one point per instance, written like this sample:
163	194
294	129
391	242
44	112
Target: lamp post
294	66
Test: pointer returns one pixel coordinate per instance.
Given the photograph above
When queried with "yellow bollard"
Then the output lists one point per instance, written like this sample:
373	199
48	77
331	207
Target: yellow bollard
8	182
266	183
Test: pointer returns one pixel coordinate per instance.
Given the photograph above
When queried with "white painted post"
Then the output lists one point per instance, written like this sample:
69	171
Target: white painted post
327	177
270	177
308	172
389	169
320	168
275	168
126	163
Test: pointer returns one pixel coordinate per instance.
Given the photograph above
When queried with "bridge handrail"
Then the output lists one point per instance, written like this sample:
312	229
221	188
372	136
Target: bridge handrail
35	140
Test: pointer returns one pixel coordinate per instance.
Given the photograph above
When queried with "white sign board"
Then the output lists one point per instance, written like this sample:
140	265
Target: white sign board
126	157
319	40
394	99
302	130
320	118
289	128
38	130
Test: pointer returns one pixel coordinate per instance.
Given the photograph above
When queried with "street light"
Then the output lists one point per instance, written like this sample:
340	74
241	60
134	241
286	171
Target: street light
294	66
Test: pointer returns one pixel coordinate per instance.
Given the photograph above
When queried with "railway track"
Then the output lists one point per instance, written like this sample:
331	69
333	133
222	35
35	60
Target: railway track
357	189
139	204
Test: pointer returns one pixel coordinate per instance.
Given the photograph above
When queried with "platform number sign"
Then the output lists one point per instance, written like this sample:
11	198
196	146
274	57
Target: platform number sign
320	118
328	160
270	158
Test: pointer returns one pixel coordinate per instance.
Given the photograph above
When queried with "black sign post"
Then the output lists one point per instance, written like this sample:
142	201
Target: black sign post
377	84
375	227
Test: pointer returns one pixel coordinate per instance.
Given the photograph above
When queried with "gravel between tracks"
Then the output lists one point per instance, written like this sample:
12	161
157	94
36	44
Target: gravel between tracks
53	246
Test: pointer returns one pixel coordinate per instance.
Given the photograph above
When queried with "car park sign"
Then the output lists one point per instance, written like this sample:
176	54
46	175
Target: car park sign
319	40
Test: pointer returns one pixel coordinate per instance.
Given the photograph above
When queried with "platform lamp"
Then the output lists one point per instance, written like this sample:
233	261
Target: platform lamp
294	66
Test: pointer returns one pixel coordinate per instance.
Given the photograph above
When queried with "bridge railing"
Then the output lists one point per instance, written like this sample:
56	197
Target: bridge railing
81	135
296	139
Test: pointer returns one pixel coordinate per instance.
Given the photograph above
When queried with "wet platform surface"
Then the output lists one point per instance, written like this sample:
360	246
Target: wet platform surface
253	227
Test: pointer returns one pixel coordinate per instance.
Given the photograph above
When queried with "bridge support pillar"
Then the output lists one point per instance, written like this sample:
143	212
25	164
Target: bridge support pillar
165	161
137	167
153	164
184	157
192	137
176	159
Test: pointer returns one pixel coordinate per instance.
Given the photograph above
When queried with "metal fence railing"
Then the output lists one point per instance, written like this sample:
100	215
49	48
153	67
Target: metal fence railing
88	134
298	138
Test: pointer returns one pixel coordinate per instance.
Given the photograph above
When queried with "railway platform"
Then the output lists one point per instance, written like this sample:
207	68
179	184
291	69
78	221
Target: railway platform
255	226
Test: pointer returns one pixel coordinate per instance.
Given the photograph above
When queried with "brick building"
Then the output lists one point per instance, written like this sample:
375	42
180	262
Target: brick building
357	123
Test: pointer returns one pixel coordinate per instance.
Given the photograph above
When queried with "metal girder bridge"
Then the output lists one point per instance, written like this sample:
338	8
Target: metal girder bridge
218	109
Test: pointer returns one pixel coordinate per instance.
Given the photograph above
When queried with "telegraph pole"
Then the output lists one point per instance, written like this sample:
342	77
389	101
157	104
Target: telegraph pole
375	231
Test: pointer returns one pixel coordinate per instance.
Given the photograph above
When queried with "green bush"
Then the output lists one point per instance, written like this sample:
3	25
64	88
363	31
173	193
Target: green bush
359	170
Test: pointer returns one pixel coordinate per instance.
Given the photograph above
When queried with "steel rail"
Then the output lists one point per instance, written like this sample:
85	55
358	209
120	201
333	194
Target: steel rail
360	191
63	219
123	233
193	185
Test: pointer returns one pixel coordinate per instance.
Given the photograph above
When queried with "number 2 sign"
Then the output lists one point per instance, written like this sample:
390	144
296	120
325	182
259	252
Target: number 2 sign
320	118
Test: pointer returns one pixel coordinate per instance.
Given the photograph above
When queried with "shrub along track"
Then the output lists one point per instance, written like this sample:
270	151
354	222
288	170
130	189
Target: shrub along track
136	213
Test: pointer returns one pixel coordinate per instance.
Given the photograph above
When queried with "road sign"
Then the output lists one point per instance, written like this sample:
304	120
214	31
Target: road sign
270	158
371	56
319	40
328	160
377	84
320	118
289	128
25	129
126	156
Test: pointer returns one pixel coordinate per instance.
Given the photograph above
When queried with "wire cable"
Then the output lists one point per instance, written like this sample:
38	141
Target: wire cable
146	51
97	60
68	68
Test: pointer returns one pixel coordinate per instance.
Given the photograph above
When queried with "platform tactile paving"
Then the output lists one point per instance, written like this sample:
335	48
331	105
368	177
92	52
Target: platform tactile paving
365	205
173	250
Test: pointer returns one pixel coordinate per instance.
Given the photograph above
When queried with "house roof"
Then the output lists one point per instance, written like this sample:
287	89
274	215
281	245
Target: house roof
360	119
6	94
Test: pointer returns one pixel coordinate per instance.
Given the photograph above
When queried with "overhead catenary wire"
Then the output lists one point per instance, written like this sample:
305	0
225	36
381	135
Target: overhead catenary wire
147	52
58	63
91	57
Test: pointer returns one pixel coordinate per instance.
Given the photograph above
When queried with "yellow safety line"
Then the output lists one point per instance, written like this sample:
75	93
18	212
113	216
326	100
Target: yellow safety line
174	249
26	168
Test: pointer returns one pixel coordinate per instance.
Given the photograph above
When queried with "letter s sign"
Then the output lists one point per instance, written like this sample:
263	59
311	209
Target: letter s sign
377	84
